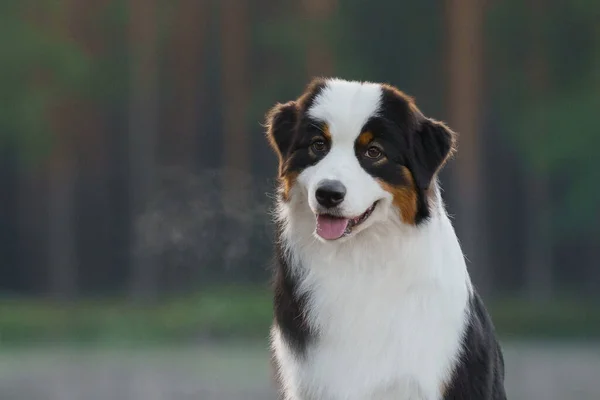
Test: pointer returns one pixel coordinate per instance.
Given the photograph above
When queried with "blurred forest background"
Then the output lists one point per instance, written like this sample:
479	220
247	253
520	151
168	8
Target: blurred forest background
134	173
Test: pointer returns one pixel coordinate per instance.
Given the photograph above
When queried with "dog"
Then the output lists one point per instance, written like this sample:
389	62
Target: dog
372	298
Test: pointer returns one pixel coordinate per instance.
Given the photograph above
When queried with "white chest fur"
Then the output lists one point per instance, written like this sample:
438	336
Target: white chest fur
388	308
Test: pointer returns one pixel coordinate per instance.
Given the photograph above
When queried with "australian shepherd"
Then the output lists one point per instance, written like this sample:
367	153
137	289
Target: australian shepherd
372	297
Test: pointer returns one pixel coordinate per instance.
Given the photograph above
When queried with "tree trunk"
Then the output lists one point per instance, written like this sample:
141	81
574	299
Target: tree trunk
61	238
187	46
143	129
593	260
33	186
465	95
539	263
62	256
319	55
234	83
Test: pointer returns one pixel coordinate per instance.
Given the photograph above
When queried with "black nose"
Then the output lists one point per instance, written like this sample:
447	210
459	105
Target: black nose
330	193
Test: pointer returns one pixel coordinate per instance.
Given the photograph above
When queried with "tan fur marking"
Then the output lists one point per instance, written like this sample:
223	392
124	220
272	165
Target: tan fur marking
287	181
365	138
326	132
405	197
380	162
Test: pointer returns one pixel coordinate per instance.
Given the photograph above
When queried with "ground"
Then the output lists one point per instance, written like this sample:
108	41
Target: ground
535	371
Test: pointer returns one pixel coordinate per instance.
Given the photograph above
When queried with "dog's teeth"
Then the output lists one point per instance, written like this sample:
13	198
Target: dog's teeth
358	220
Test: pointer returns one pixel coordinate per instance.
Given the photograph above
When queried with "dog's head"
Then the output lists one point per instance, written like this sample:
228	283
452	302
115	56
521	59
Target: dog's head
353	152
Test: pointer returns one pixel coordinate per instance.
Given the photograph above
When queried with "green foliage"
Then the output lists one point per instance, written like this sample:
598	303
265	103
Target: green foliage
226	313
281	47
38	67
395	42
400	43
554	127
108	81
560	138
556	319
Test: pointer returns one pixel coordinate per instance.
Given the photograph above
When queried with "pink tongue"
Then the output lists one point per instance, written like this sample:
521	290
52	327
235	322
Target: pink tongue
330	228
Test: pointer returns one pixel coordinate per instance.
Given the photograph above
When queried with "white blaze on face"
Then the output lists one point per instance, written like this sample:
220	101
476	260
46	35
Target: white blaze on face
345	107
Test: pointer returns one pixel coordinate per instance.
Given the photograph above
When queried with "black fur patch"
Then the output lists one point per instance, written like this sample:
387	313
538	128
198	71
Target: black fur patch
289	308
408	139
281	123
290	131
479	375
433	143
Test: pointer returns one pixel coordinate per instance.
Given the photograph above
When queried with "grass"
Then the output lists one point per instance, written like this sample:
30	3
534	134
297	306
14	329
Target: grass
557	319
226	313
238	313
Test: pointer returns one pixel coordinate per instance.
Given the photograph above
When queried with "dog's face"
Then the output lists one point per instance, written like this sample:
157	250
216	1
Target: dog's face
356	154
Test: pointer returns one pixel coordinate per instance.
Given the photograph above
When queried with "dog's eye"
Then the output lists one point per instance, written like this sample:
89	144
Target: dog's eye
319	146
373	152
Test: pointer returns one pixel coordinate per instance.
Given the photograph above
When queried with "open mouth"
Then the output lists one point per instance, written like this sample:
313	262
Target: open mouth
331	227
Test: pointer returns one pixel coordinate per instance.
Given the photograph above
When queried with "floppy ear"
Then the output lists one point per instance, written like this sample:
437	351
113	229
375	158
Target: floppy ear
281	121
433	144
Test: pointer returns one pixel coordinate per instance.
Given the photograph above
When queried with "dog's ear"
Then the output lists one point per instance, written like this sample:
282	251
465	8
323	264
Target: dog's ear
433	144
281	121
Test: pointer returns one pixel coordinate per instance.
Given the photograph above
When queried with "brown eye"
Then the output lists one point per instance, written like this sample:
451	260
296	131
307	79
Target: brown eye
373	152
319	146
